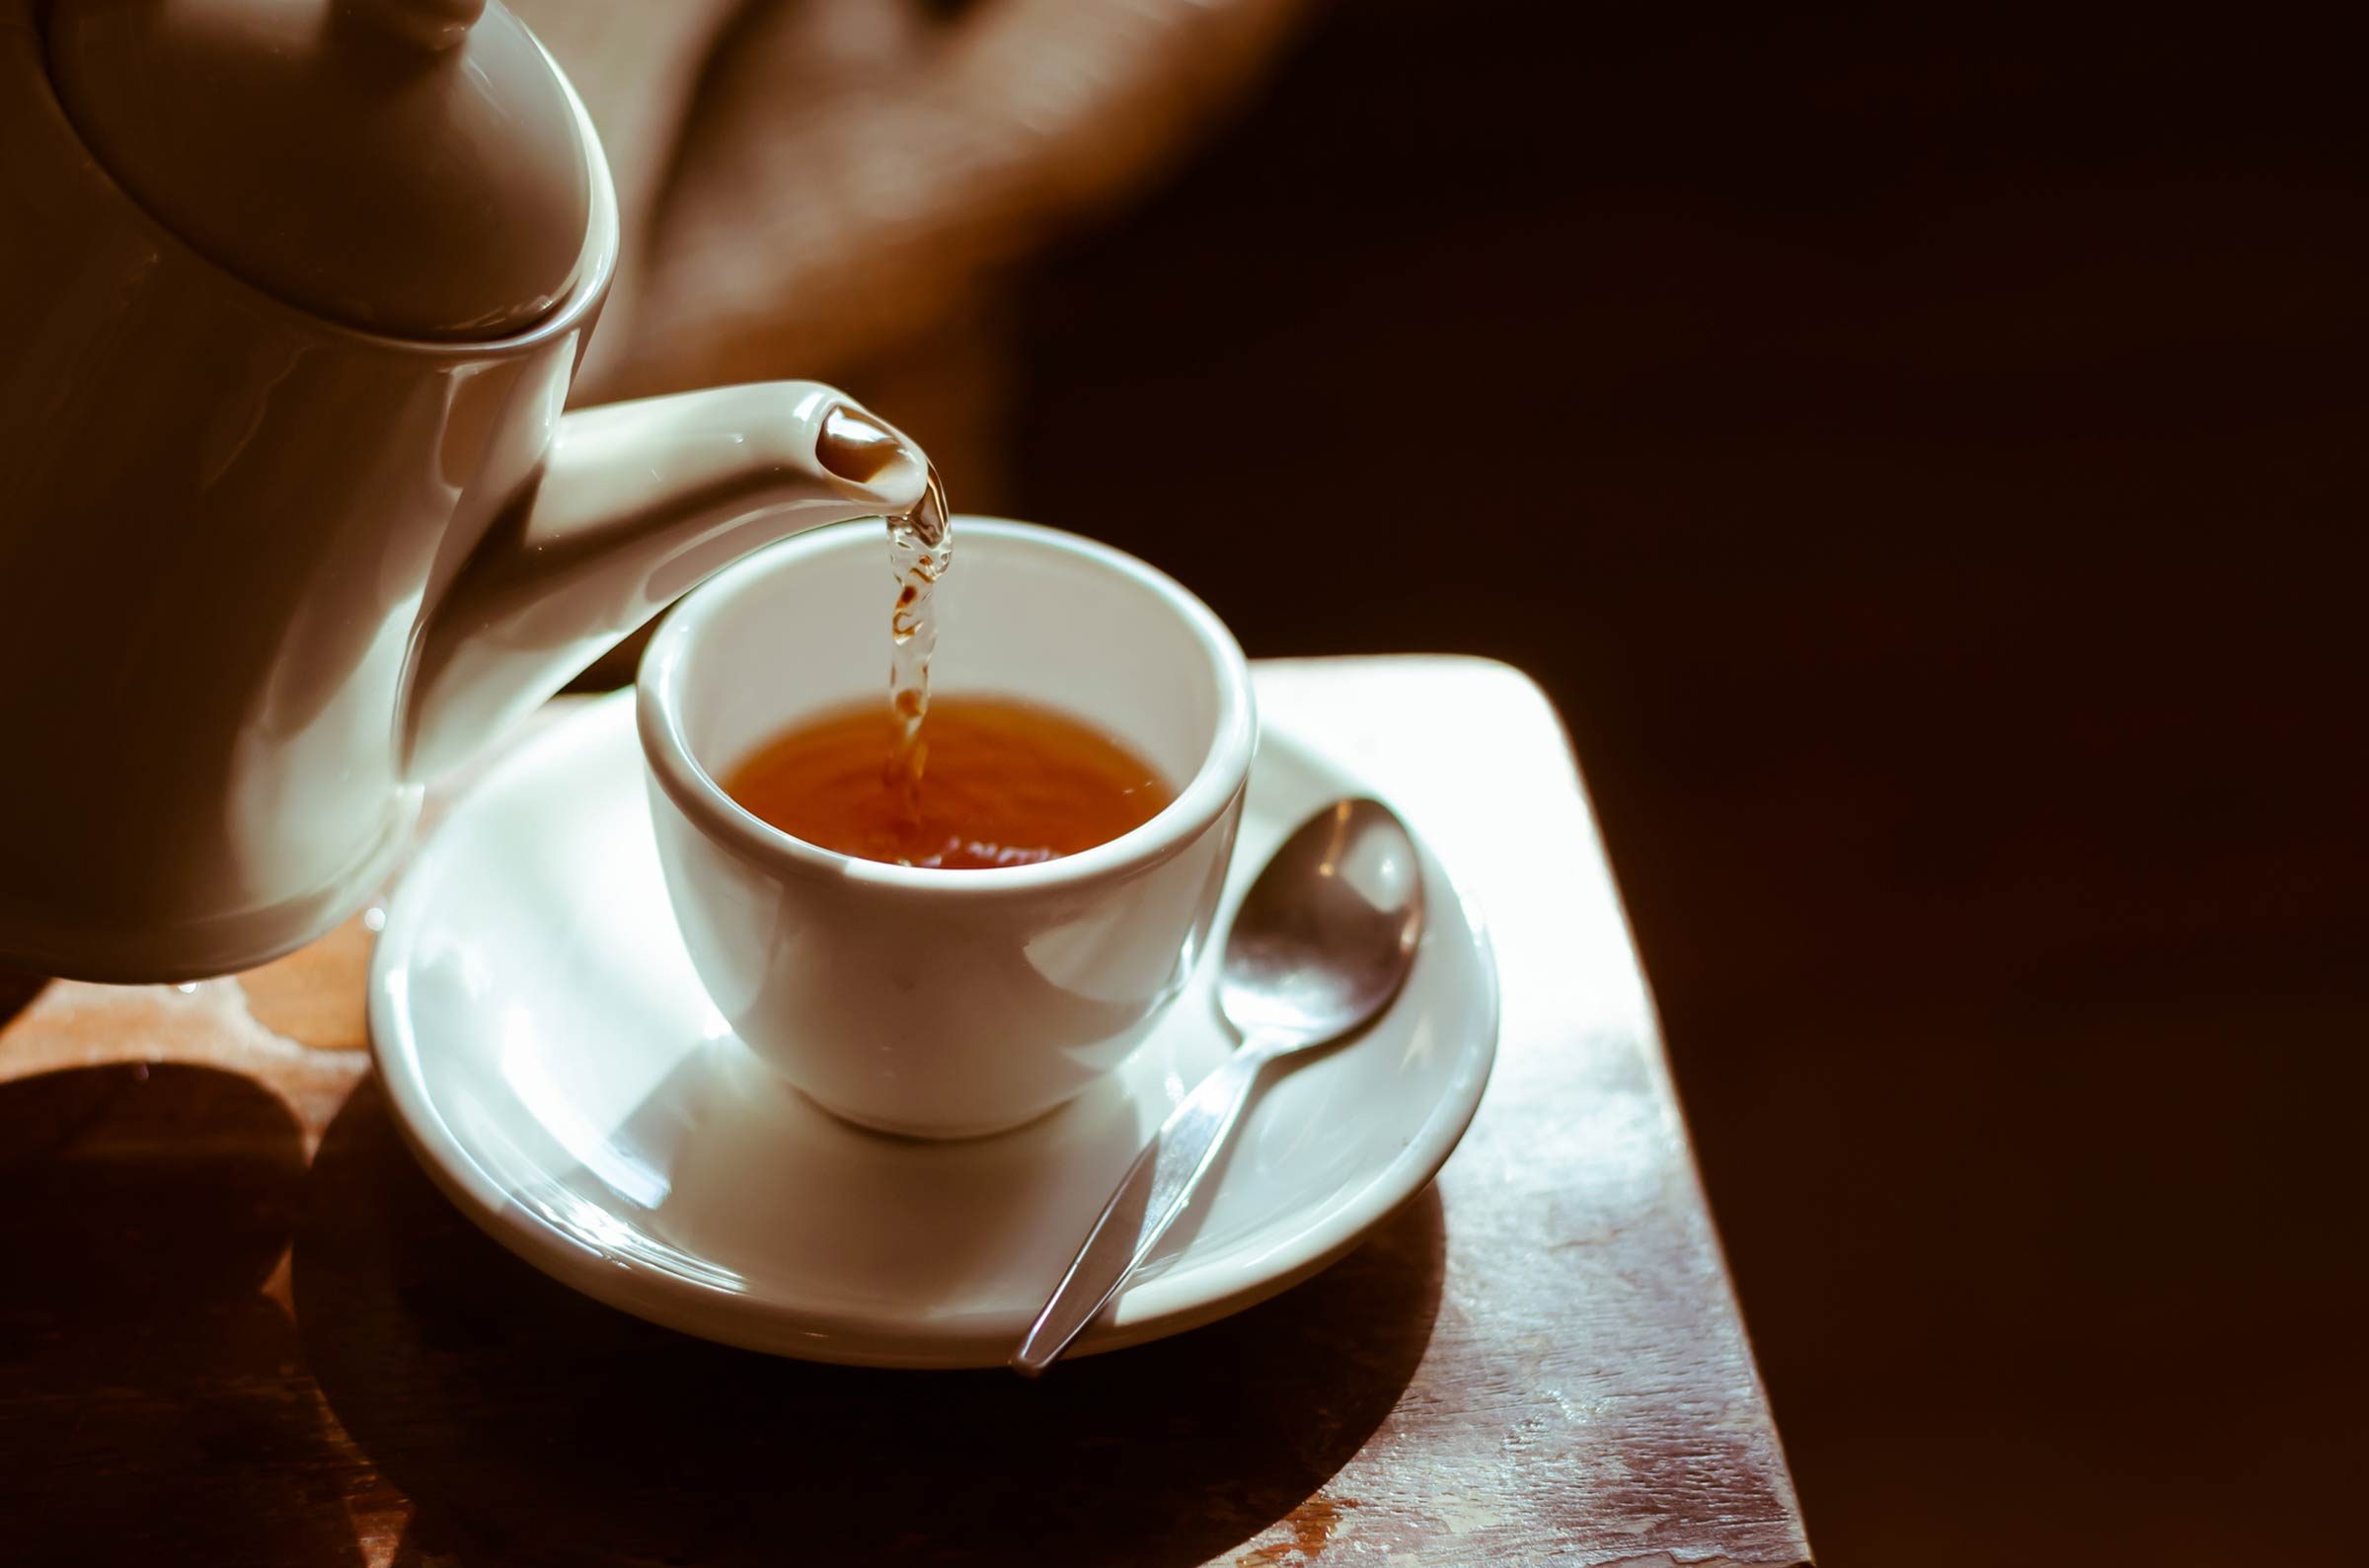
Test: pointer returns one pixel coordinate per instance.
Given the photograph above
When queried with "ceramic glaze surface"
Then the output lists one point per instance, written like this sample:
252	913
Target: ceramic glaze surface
939	1003
550	1053
270	572
411	167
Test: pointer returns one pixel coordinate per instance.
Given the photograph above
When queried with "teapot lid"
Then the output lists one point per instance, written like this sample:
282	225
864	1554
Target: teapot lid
410	167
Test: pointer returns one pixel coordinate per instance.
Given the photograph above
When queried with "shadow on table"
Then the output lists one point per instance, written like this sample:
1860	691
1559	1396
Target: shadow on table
18	989
153	1407
526	1423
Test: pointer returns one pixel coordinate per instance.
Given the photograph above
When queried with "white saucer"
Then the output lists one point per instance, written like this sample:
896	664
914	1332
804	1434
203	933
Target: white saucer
557	1068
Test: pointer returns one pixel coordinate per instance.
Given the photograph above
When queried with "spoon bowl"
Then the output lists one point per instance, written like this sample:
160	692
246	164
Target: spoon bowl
1325	937
1322	942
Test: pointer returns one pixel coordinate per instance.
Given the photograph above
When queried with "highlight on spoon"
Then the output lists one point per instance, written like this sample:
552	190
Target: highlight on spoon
1325	935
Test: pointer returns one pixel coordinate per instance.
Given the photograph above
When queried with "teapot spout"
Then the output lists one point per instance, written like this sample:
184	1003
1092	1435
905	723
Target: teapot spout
635	504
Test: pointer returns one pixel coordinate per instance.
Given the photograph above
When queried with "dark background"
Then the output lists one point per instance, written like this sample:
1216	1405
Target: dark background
1922	457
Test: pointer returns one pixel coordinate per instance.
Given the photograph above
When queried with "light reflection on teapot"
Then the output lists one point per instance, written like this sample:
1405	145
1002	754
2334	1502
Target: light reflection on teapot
280	548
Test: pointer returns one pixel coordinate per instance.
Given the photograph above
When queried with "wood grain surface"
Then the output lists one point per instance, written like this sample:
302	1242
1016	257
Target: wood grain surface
242	1328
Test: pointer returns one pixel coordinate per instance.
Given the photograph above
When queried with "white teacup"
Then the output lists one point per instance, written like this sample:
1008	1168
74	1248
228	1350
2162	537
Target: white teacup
943	1004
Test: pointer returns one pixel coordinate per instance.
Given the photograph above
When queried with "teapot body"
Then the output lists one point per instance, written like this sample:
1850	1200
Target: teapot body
266	572
222	521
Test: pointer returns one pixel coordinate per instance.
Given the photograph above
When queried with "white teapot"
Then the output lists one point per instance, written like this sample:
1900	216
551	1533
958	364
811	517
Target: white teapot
291	518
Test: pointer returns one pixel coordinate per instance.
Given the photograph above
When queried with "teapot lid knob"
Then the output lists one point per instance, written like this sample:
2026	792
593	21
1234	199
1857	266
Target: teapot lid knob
413	167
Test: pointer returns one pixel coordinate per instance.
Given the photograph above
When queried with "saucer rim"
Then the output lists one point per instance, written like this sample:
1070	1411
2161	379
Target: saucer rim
1166	1304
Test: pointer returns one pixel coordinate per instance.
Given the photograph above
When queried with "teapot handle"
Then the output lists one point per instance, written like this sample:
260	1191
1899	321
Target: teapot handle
637	504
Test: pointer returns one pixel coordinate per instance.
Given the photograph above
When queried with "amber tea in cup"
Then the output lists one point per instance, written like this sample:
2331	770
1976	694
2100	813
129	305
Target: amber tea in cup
1001	783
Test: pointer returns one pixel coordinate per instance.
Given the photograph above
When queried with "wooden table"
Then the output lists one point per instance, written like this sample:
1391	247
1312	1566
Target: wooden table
241	1327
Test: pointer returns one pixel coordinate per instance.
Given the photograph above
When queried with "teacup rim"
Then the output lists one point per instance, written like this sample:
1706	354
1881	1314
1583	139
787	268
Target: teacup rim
1199	805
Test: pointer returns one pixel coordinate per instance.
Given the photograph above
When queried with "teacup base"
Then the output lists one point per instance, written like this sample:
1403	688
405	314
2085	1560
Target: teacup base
924	1134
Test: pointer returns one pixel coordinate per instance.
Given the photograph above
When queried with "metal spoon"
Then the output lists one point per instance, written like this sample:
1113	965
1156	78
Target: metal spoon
1321	944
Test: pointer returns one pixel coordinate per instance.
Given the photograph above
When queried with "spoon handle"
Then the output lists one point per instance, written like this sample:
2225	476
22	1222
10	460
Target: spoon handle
1154	1191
